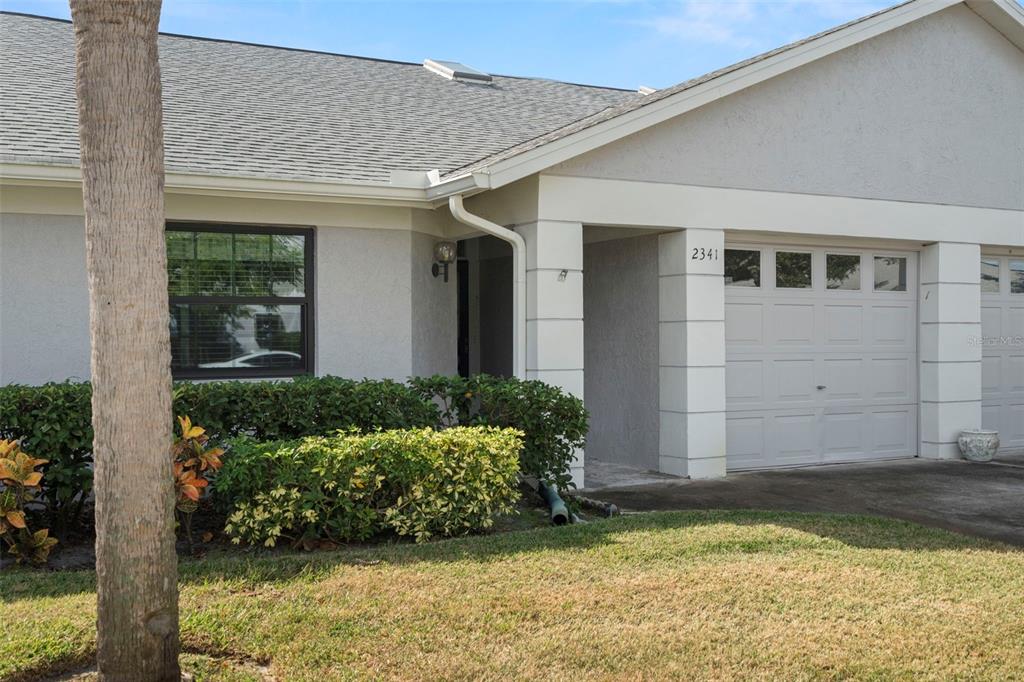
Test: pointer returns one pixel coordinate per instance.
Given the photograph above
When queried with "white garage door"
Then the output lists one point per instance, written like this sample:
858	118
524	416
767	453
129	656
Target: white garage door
1002	364
821	355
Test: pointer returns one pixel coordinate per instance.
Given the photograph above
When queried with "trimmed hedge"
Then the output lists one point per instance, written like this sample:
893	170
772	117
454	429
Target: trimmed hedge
307	406
555	423
53	421
418	483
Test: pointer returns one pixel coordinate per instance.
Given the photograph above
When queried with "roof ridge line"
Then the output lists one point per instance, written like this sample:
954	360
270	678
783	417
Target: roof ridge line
382	60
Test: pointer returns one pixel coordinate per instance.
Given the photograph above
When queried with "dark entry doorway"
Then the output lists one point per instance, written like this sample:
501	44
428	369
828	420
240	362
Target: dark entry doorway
462	279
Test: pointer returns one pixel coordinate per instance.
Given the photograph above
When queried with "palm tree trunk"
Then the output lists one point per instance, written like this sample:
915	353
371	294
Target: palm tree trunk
121	131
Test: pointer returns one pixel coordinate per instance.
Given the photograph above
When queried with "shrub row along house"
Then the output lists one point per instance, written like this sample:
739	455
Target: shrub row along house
816	255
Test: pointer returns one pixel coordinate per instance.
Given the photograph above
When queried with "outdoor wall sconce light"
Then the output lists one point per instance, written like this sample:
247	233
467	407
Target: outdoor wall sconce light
444	255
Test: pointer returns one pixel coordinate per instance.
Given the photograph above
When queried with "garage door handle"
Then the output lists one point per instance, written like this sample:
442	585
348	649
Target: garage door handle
822	388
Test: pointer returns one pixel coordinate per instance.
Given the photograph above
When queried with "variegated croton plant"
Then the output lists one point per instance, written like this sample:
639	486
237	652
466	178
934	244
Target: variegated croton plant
194	463
19	483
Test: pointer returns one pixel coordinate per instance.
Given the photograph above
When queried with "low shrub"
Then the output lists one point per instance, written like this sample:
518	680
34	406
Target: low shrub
54	420
554	423
418	483
306	406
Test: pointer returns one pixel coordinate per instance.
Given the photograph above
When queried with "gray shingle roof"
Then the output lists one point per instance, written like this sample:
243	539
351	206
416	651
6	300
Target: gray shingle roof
253	111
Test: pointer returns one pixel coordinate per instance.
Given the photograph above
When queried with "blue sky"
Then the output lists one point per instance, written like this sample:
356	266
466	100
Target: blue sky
622	43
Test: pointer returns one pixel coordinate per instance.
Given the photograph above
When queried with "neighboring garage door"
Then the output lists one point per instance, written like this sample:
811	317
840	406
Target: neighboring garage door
1002	364
821	355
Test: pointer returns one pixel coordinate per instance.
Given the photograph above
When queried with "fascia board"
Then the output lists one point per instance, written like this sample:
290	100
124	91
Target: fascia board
1005	16
187	183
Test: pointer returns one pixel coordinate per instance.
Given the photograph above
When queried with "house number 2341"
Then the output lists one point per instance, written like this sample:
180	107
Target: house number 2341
704	254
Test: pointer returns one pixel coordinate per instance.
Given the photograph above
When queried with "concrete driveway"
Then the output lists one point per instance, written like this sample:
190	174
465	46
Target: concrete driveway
986	500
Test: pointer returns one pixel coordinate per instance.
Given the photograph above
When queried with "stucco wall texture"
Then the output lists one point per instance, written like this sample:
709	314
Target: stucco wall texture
434	324
930	112
44	299
364	303
620	350
379	313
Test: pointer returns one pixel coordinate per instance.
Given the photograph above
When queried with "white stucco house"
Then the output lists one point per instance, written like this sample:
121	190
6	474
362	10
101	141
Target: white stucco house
813	256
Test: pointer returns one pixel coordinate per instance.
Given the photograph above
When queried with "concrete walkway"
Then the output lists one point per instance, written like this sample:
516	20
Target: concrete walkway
986	500
600	475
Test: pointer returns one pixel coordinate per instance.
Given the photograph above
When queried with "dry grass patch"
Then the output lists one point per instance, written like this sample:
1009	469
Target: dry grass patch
719	595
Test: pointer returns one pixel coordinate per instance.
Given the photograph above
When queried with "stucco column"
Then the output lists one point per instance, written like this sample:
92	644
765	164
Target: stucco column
950	314
691	335
554	309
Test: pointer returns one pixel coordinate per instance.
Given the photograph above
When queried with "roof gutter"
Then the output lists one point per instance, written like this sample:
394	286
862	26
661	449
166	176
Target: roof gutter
400	192
515	240
405	188
466	185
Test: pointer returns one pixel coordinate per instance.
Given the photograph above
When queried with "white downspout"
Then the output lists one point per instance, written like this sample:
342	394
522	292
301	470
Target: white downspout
460	213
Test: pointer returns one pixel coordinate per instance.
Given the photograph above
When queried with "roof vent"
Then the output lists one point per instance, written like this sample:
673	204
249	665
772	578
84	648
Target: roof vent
644	90
456	71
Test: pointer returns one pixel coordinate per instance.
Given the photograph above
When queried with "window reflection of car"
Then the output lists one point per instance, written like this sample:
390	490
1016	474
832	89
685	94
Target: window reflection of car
260	358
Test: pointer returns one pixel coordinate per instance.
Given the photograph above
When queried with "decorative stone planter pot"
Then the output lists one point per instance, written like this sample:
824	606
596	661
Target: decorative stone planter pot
978	445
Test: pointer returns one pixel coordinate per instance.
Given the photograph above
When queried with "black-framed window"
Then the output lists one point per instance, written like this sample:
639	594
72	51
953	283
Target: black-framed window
241	300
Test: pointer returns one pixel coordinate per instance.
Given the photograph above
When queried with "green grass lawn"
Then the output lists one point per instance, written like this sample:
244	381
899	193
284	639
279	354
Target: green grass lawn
720	595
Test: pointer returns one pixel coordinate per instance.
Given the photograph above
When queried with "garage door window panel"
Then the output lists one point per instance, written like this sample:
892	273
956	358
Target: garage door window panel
990	275
742	268
793	270
842	272
1017	276
890	273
